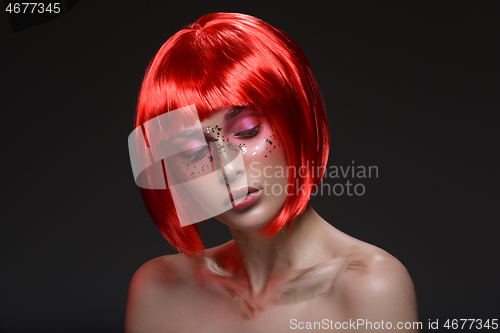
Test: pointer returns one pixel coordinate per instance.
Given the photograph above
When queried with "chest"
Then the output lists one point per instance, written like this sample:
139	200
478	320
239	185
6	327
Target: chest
312	315
306	301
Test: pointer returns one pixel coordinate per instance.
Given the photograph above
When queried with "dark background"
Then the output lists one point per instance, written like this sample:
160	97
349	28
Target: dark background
409	87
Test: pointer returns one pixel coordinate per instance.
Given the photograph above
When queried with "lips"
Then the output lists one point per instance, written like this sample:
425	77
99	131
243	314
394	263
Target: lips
241	193
246	201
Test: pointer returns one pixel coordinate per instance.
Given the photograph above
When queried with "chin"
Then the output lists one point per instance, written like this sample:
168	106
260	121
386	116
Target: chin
252	218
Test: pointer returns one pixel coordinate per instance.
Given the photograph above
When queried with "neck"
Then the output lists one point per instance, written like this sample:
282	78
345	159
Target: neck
298	247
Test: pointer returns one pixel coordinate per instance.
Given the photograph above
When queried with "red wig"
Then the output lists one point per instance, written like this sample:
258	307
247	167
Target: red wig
226	59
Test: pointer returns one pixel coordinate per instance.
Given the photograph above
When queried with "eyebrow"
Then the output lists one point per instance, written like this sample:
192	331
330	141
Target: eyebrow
232	113
184	133
228	116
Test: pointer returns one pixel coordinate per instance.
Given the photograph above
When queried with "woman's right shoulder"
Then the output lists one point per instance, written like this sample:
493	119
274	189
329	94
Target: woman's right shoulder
152	289
164	270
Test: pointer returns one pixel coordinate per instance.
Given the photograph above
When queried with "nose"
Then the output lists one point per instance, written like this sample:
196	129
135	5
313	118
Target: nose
228	161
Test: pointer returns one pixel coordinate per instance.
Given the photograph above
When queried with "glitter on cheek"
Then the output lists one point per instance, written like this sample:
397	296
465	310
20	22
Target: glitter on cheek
271	143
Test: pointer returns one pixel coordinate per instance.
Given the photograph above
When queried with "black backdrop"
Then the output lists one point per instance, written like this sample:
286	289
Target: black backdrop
411	88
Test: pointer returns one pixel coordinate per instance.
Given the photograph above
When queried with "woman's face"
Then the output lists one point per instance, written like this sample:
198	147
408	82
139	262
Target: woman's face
240	157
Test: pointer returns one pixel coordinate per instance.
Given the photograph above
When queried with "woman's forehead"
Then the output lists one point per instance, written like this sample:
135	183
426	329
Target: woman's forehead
225	114
219	112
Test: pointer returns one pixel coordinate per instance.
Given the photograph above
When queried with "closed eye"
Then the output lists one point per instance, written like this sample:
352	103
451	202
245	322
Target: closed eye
196	155
249	133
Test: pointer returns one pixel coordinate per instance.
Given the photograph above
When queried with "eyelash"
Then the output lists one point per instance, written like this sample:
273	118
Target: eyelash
249	133
195	156
245	134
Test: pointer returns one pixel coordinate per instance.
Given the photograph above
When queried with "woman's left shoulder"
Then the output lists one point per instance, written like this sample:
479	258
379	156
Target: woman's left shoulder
375	282
370	268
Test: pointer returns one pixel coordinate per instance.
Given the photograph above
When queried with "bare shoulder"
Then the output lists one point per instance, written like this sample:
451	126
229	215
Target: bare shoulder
376	286
152	289
165	269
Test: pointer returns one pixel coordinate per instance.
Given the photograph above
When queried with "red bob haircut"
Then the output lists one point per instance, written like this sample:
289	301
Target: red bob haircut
226	59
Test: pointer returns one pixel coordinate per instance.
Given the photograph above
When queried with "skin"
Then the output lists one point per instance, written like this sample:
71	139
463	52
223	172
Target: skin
308	273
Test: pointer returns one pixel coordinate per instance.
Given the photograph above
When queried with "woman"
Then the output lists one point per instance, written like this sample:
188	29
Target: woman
230	123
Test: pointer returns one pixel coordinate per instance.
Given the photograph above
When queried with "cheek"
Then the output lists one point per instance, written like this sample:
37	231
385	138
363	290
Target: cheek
262	147
185	171
265	152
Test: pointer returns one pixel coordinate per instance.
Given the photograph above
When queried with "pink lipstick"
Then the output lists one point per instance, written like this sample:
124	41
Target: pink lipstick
244	197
